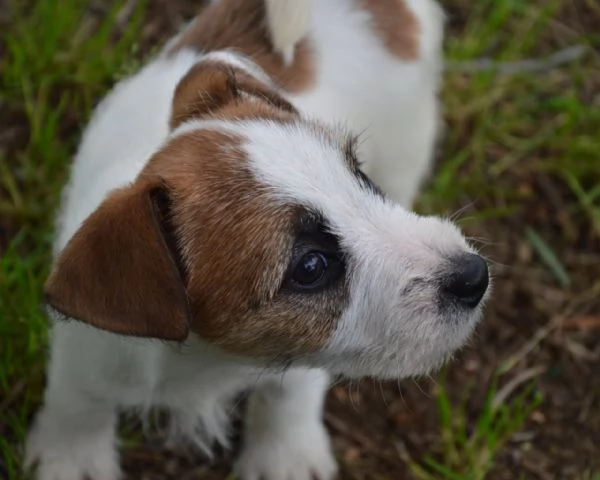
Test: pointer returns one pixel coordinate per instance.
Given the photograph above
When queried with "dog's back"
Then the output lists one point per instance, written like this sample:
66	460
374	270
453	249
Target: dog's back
370	65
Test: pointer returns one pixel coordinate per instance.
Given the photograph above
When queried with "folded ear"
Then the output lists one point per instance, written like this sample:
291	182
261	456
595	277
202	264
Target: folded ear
210	86
121	271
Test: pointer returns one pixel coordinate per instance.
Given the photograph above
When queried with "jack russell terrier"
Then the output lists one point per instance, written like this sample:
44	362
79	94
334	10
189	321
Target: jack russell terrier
224	228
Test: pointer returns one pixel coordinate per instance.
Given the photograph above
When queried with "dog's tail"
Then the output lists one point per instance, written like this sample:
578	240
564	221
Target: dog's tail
288	22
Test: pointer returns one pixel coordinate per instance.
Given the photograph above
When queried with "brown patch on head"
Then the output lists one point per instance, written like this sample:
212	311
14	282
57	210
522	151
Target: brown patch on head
396	25
221	91
237	242
240	25
233	243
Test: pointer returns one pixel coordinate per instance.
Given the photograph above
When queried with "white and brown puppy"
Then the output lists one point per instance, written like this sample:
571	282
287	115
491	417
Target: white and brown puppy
218	235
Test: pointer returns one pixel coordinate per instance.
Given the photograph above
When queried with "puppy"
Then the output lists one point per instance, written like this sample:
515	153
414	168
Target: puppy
222	231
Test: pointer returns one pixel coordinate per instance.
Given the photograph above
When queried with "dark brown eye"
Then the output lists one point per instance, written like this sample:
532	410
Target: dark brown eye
317	261
310	269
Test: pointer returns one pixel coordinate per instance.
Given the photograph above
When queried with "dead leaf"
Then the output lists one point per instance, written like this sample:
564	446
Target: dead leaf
584	322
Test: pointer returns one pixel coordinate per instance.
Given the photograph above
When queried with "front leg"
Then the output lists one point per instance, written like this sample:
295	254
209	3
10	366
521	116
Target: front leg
73	438
285	438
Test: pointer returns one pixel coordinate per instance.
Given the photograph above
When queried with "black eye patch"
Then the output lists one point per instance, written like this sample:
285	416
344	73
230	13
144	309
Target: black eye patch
317	262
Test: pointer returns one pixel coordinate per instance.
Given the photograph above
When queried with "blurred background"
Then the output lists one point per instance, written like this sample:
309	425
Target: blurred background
519	168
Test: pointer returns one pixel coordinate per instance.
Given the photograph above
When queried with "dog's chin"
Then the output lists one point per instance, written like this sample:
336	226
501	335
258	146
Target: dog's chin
400	358
382	367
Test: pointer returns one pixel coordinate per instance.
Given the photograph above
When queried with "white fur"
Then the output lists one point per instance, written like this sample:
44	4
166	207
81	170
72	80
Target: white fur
285	437
288	22
384	332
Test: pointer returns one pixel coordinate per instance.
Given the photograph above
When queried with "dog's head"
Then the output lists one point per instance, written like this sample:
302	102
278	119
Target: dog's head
256	230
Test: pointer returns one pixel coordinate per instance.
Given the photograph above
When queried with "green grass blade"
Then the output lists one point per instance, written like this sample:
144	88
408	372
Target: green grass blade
548	257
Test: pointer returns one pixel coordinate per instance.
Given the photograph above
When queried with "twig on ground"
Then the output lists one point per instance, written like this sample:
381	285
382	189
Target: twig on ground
511	386
365	442
539	336
352	433
537	470
554	324
125	13
557	59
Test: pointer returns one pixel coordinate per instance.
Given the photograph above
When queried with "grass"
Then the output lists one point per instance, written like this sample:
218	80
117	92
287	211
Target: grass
468	447
520	124
521	152
52	74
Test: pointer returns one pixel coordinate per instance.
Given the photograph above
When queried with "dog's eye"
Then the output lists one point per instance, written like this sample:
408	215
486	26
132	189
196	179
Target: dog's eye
313	271
310	269
317	262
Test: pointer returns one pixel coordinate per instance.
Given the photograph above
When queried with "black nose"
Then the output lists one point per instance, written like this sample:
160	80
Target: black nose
468	280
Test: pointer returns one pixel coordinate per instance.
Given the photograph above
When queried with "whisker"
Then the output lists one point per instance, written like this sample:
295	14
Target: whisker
385	402
483	241
351	397
421	389
400	386
454	217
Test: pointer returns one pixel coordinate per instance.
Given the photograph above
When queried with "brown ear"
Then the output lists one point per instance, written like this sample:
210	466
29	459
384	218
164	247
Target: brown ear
121	272
209	86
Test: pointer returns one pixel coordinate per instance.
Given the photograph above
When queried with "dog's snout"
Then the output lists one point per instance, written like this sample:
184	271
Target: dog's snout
468	280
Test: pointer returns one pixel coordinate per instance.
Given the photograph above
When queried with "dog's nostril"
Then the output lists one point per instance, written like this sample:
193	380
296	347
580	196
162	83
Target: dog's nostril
469	279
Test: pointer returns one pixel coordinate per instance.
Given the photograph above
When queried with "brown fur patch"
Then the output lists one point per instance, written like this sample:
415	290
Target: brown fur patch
396	25
240	25
237	242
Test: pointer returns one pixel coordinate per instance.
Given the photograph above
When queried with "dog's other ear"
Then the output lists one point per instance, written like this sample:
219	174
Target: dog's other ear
121	271
209	86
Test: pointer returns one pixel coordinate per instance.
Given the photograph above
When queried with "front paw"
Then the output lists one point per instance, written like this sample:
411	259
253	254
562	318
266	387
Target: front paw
54	454
50	468
303	453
